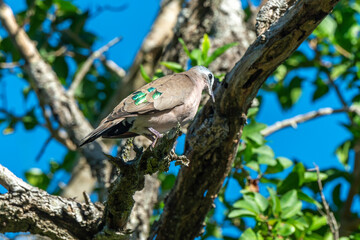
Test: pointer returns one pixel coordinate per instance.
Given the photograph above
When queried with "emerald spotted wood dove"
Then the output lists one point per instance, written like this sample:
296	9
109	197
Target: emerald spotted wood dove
156	107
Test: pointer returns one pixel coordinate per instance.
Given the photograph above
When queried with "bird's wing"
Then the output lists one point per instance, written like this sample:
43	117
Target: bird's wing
162	94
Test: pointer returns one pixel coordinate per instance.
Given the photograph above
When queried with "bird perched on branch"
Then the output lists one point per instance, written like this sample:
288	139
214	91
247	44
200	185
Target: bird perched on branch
156	107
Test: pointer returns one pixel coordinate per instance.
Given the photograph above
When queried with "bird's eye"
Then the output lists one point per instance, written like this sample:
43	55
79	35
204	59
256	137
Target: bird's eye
210	76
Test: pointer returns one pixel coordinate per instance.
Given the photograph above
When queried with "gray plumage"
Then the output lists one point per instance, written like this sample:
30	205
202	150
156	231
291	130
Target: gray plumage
156	107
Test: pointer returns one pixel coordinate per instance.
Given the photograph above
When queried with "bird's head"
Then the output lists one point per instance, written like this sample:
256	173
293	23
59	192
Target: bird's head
208	77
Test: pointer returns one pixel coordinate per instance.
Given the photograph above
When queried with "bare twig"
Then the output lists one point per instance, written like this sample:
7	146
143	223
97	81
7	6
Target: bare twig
331	220
55	133
86	66
9	65
43	148
120	72
101	9
292	122
337	90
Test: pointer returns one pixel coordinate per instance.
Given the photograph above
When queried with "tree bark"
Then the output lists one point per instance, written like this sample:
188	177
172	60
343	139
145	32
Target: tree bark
28	209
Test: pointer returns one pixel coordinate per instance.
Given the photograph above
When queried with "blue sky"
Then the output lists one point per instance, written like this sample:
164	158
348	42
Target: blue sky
314	141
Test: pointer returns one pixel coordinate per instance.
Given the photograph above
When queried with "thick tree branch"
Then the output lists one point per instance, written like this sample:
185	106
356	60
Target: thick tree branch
132	177
28	209
50	92
213	138
292	122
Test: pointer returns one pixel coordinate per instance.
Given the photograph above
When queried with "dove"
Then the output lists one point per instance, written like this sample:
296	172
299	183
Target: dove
157	107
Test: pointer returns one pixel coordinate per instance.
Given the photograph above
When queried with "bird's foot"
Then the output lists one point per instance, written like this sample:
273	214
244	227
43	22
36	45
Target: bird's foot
155	136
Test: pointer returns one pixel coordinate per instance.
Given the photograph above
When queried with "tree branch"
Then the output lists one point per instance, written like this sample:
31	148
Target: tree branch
28	209
213	137
87	65
132	177
292	122
331	220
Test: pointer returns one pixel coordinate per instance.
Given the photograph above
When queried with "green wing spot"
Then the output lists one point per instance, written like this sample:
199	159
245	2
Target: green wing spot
156	95
138	95
137	92
141	99
151	89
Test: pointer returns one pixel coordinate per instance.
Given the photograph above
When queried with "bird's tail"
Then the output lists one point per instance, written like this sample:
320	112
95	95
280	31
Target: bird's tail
98	132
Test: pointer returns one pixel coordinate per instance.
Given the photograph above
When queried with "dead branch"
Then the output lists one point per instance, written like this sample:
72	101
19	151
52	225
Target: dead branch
331	220
292	122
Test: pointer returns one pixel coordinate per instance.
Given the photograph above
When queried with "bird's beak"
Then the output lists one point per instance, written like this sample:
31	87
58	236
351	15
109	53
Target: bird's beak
211	93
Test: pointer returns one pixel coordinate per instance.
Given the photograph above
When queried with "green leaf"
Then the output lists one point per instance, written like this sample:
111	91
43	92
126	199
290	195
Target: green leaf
275	202
291	211
186	50
256	137
299	223
313	177
289	199
280	72
241	213
205	47
290	182
218	53
196	58
253	165
266	160
248	234
264	150
317	222
282	164
248	205
338	70
261	201
252	112
285	229
342	152
321	89
173	66
326	28
144	74
252	127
